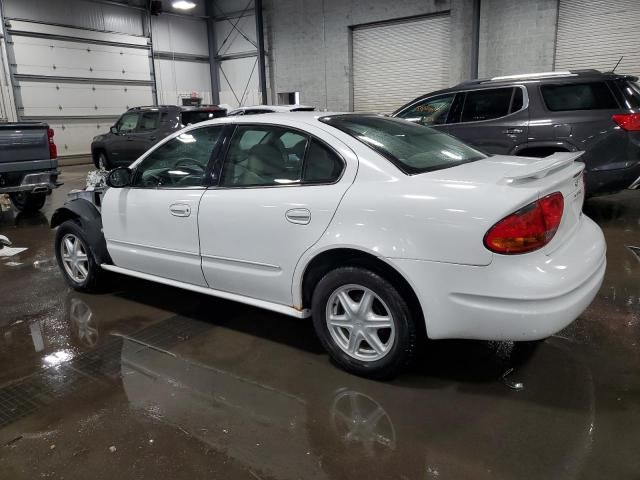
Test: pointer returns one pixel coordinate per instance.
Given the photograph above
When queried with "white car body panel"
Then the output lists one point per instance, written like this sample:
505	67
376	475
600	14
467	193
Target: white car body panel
428	227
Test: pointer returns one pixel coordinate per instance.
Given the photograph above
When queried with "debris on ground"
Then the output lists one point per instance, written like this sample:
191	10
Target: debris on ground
512	385
112	449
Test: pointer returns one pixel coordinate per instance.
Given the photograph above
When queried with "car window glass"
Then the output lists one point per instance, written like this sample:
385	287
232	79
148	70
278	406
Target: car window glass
432	111
191	117
578	96
322	165
258	156
179	163
631	93
486	104
518	100
127	122
149	121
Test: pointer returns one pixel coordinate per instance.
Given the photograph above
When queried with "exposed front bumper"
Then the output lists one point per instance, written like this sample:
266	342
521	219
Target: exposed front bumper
517	297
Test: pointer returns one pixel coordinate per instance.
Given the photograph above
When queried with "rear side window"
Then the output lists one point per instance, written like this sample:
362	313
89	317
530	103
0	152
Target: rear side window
487	104
322	165
578	96
149	121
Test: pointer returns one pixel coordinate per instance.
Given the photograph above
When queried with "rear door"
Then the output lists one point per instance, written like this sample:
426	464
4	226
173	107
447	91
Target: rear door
495	120
278	191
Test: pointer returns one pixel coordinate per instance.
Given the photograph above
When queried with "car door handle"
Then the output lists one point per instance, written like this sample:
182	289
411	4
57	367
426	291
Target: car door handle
180	210
513	131
300	216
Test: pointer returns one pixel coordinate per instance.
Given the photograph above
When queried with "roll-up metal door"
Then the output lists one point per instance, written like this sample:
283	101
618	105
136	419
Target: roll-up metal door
595	34
394	63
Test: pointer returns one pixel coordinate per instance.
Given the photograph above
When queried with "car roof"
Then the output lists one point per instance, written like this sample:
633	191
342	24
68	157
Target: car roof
276	108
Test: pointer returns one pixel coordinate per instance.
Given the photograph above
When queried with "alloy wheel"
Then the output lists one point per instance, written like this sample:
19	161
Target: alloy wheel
74	258
360	323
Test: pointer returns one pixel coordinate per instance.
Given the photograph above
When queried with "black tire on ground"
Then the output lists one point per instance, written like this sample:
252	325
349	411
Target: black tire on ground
28	202
94	279
403	349
102	161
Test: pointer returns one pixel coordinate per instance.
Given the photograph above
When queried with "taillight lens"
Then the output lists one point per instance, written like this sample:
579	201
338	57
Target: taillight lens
53	150
628	121
528	229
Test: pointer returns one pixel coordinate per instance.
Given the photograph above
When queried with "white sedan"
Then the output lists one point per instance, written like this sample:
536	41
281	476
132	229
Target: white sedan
381	230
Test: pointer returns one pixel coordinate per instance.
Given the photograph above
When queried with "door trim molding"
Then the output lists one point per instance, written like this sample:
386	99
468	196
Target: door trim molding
274	307
243	262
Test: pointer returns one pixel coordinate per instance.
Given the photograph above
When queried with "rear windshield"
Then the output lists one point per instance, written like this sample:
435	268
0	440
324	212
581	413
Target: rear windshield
303	109
412	148
630	92
195	116
578	96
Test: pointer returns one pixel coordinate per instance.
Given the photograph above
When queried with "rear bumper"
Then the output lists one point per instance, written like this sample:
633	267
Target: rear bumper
612	181
40	182
524	297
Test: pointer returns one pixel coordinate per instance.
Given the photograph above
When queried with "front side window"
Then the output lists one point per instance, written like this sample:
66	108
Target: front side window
128	122
412	148
432	111
486	104
149	121
264	155
179	163
578	96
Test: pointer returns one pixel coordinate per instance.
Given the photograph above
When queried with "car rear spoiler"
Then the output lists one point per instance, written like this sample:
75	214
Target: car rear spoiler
542	167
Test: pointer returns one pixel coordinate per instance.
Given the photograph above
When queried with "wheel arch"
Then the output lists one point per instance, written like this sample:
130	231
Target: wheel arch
324	261
88	216
542	149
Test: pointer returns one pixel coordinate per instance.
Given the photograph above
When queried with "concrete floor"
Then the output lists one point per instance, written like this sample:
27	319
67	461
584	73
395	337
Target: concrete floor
149	381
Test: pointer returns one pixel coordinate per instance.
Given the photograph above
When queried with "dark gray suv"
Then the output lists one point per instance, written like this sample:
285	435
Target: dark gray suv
538	114
139	128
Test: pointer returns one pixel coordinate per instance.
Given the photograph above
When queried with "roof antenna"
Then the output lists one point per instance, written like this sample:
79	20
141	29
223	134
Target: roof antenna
614	68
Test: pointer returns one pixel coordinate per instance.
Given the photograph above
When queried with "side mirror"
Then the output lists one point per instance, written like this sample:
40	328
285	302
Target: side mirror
114	129
119	177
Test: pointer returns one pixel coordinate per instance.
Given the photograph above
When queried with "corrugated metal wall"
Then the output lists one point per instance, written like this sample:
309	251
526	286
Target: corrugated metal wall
597	33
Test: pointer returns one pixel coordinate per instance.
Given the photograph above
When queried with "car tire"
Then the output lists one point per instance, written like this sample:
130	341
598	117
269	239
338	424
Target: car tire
102	161
28	202
76	259
375	351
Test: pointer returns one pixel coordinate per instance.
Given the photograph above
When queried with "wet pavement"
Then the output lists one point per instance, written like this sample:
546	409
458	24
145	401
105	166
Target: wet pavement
148	381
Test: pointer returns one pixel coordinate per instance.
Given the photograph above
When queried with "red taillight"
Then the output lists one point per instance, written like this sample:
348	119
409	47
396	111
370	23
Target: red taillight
528	229
628	121
53	150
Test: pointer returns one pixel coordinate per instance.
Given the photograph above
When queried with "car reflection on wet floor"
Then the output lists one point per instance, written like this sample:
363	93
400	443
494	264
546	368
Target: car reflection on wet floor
186	386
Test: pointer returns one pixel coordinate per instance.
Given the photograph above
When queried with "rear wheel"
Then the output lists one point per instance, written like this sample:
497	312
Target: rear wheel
364	323
76	259
28	202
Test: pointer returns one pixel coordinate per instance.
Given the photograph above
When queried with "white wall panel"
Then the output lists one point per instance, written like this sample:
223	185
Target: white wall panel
73	137
180	35
235	75
61	58
236	43
77	13
178	79
44	99
55	30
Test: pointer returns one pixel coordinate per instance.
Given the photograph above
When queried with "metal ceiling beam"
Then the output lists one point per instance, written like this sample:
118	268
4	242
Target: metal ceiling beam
260	38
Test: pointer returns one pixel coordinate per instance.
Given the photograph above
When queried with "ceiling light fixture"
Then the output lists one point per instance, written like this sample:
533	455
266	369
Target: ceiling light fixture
183	4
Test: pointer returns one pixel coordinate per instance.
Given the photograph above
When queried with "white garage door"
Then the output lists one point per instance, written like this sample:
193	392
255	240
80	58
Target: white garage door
394	63
595	34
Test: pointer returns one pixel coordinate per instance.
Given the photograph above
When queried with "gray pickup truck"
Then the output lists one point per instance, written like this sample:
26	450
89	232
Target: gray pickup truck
28	163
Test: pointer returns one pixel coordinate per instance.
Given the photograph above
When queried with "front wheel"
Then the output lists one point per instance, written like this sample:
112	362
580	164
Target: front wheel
75	258
364	323
28	202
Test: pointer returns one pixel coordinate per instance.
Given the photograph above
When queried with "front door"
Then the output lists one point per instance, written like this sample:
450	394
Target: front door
152	226
120	143
278	191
